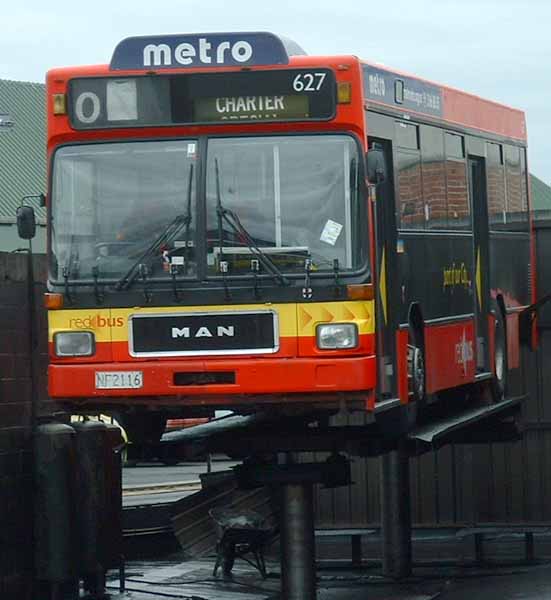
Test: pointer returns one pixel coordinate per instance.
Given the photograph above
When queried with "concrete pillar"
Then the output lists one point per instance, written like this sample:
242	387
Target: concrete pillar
298	566
396	513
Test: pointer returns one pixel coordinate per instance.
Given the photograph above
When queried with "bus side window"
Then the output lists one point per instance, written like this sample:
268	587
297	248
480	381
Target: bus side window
496	185
516	217
459	212
434	177
411	210
411	205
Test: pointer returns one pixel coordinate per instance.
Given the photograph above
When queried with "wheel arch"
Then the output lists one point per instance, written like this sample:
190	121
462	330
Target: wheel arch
416	322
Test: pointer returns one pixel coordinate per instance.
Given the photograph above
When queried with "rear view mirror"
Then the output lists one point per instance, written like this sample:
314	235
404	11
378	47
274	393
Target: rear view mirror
376	166
26	222
40	199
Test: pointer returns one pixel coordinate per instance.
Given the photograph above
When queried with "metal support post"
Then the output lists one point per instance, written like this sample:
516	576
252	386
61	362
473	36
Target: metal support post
396	513
479	548
122	575
298	568
529	547
356	541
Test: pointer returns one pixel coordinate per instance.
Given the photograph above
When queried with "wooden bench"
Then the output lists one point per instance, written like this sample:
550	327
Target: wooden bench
495	532
445	533
355	540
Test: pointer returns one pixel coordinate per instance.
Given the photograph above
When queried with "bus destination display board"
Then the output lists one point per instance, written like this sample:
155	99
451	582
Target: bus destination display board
195	98
251	108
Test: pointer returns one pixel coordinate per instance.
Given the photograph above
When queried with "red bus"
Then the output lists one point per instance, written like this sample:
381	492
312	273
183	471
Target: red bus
236	225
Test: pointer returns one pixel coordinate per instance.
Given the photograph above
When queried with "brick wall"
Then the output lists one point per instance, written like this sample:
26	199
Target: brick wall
15	421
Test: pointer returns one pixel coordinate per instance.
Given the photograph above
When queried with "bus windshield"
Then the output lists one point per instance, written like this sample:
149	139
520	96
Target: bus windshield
292	197
123	208
122	204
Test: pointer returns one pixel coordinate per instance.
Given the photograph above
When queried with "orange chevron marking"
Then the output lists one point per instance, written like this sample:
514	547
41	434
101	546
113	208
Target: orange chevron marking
326	316
348	314
305	318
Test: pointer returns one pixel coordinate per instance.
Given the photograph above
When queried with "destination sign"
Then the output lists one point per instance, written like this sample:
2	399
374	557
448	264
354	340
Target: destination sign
251	108
195	98
402	92
199	50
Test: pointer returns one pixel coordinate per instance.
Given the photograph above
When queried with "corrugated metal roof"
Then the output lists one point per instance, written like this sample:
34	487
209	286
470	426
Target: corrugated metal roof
541	194
23	145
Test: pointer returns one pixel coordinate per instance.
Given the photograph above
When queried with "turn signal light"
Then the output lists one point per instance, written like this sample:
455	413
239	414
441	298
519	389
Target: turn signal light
59	104
362	291
344	92
53	301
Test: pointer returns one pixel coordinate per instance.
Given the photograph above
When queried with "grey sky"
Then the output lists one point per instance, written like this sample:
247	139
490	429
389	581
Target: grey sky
499	49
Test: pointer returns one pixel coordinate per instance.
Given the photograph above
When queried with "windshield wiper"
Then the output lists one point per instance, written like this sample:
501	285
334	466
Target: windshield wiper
231	218
223	265
71	269
97	293
188	220
167	235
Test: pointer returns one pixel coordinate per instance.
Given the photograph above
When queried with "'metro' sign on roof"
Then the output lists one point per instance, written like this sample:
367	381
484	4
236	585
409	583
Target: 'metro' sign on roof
199	50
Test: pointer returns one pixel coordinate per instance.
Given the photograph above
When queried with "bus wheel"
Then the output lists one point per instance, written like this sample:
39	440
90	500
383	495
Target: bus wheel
500	356
416	370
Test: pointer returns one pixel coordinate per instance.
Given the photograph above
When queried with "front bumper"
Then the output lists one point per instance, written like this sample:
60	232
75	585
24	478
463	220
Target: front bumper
323	377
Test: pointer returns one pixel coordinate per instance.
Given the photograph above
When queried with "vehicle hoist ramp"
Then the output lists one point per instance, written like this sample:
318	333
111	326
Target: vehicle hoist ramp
431	432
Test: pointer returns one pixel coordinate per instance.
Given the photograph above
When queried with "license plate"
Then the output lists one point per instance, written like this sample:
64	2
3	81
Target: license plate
115	380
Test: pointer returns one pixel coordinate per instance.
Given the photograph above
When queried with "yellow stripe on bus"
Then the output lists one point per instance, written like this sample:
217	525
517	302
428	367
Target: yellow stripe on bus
96	320
382	285
309	315
294	319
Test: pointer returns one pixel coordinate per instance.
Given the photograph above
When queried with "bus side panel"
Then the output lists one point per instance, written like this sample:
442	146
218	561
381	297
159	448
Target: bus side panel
509	273
510	279
513	346
437	273
449	350
449	275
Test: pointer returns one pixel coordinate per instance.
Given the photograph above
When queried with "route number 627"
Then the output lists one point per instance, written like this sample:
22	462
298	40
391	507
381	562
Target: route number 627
308	82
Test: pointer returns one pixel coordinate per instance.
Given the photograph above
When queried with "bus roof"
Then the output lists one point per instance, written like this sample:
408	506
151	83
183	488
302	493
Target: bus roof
386	89
410	95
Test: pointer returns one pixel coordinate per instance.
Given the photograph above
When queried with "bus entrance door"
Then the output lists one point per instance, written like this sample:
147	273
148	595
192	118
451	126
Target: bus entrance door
385	261
479	209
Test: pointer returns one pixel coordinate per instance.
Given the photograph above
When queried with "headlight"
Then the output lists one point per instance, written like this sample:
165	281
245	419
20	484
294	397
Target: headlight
74	343
338	336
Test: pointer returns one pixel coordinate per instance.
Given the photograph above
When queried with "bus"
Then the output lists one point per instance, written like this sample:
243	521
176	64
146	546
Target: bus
233	224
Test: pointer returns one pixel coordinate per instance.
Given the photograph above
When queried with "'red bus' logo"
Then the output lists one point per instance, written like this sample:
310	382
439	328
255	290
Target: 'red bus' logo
96	322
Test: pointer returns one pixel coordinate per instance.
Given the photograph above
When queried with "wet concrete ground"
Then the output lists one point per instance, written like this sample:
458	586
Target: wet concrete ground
194	580
532	584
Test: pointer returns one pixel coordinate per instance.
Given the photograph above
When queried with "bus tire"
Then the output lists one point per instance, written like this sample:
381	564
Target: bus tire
416	360
500	356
